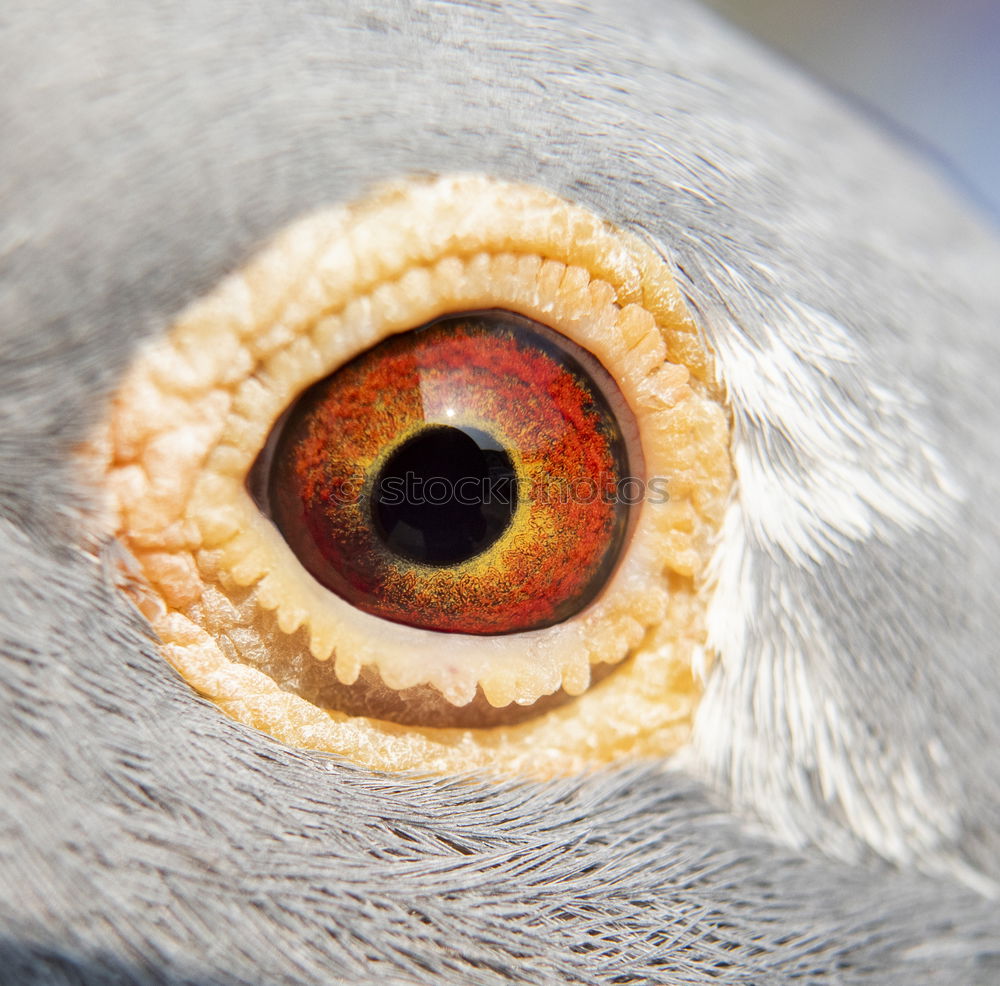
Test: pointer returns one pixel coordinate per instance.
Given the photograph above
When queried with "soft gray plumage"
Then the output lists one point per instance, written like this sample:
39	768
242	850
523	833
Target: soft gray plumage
836	818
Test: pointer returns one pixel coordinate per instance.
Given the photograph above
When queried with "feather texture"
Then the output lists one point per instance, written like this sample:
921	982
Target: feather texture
834	820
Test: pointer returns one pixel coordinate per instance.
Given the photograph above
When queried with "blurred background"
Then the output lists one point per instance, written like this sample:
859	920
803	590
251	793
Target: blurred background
930	67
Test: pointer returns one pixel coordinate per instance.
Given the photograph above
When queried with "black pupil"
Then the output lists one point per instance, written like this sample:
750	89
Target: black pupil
444	496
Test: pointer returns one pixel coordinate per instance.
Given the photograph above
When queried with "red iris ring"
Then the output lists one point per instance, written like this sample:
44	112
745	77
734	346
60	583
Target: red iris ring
460	477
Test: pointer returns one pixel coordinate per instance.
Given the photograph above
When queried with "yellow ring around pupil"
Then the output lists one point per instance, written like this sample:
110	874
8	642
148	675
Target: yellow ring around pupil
443	496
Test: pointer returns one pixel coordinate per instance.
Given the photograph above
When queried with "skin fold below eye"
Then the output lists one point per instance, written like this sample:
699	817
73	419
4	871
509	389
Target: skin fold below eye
277	641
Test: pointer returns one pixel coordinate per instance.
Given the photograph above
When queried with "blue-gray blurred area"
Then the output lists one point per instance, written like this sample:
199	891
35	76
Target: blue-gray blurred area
932	67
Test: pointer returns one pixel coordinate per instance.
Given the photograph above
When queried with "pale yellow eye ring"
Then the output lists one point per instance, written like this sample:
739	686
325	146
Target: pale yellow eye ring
331	287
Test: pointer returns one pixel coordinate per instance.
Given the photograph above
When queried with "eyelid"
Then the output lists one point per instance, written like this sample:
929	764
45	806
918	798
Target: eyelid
331	287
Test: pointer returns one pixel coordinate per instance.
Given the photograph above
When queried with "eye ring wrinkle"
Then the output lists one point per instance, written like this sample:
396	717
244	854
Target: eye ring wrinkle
194	413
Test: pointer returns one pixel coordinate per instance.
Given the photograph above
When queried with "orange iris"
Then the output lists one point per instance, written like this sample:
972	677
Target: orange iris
465	476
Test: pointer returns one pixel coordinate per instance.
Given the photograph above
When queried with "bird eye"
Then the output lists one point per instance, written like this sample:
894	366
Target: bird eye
433	482
468	476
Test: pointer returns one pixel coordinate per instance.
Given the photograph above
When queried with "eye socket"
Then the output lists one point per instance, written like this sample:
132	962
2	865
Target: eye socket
467	476
249	624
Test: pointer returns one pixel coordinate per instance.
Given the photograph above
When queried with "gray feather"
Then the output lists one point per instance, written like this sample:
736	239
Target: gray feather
835	820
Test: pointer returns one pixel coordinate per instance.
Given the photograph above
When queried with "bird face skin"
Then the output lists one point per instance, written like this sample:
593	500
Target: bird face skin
831	817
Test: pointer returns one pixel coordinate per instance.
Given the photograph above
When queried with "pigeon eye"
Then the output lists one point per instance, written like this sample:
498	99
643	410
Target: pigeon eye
468	476
432	483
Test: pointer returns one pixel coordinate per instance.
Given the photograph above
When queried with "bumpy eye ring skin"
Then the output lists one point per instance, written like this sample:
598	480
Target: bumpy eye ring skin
235	609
